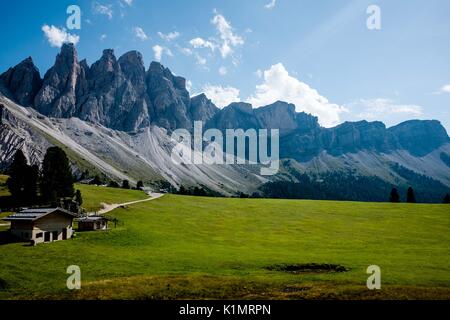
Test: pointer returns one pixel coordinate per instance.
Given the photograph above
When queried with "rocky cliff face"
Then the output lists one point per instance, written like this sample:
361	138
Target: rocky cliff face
420	137
238	115
169	97
116	93
202	109
57	96
22	82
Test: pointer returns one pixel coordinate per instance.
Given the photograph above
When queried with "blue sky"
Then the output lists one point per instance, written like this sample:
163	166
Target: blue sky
319	55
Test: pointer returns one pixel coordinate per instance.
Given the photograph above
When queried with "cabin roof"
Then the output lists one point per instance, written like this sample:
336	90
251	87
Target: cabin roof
91	218
35	214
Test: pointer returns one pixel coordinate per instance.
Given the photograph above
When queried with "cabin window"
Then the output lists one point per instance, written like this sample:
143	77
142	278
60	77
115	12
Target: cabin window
38	235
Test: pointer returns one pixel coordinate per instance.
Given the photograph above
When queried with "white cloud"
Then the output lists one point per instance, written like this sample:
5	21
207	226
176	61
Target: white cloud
221	96
103	37
382	109
279	85
226	42
223	71
201	43
57	37
444	89
229	39
140	34
200	60
186	51
128	2
271	4
106	10
169	36
259	73
158	51
189	52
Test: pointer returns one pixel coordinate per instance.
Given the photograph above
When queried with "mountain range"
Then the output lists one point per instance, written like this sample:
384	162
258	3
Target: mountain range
115	117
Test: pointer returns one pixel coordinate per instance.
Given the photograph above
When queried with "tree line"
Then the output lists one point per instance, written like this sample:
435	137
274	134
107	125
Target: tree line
48	185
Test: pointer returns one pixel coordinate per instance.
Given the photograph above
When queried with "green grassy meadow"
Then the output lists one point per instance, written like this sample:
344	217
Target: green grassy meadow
93	196
180	247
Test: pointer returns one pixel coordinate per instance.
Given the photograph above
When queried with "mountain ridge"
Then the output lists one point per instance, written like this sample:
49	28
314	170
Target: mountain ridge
129	104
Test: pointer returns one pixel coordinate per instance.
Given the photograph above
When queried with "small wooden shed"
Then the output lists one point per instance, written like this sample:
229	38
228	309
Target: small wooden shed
42	225
92	223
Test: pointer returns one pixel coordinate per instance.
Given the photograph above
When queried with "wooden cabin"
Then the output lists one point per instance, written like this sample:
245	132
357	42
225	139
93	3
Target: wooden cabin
42	225
92	223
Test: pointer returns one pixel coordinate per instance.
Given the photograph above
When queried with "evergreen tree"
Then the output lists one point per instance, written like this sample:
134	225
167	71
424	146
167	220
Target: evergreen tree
410	197
446	199
394	197
22	182
57	179
125	184
16	174
31	183
96	181
113	184
78	198
140	185
183	190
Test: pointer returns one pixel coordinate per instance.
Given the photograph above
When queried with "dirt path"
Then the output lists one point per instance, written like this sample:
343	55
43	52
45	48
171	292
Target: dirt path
110	207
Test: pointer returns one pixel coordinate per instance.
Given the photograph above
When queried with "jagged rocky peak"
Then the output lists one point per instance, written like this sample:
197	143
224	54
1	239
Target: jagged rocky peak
57	96
169	96
104	68
132	66
22	82
202	108
116	95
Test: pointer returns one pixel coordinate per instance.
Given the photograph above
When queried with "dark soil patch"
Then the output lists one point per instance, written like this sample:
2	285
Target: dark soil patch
308	268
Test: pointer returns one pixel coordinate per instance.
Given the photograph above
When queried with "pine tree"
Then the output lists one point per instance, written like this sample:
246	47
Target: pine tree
140	185
410	197
23	179
446	199
31	183
125	184
394	197
78	198
57	179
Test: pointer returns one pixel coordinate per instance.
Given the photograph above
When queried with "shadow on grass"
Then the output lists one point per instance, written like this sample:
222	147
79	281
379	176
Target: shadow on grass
7	238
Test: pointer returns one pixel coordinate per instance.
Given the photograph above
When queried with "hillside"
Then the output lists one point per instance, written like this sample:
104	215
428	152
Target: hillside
193	247
94	196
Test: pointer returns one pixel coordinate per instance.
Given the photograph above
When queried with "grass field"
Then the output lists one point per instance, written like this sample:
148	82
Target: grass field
202	248
93	196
